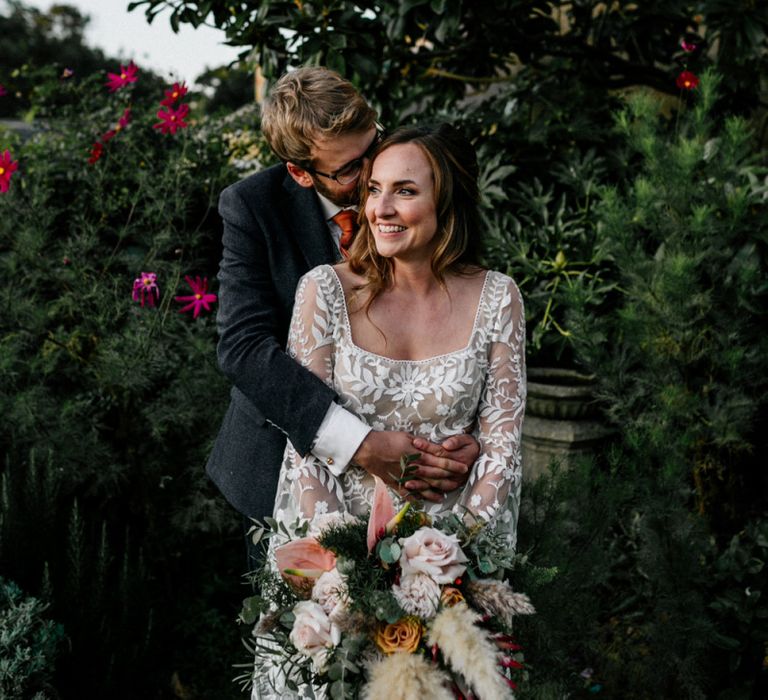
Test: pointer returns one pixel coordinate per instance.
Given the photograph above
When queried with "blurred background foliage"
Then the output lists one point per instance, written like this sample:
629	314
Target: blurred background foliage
631	211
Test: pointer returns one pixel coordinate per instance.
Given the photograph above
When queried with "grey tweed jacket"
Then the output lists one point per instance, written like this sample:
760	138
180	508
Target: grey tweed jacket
274	232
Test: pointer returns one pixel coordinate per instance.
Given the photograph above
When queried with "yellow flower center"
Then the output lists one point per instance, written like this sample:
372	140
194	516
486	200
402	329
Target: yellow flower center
173	117
123	76
198	296
2	169
147	281
175	94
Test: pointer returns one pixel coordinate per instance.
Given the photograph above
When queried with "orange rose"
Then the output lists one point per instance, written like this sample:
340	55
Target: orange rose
450	596
403	635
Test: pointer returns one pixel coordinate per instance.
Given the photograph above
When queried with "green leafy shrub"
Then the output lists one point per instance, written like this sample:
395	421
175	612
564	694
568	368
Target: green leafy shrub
29	645
111	405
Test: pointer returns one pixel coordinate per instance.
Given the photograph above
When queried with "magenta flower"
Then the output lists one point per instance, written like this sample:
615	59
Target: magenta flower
7	168
3	91
145	289
688	46
687	80
121	124
200	298
174	94
126	75
97	150
172	119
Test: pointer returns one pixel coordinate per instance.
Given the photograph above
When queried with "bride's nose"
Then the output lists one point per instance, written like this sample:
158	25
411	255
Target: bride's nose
384	206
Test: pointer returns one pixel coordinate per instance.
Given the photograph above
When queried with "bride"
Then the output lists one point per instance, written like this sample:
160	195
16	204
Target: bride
413	335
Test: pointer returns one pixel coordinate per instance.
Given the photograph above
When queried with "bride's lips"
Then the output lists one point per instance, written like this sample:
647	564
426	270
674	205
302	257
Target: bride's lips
390	230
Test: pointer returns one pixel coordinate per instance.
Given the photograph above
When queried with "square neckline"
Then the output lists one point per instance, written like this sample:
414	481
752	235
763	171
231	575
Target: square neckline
425	360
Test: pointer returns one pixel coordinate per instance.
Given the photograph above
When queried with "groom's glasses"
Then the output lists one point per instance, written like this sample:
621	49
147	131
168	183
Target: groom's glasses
351	171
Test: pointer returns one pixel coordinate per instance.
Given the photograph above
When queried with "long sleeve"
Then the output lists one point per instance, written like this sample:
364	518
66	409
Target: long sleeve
255	297
493	489
314	488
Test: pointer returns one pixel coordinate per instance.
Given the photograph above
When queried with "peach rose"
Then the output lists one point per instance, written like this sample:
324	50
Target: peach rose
451	596
403	635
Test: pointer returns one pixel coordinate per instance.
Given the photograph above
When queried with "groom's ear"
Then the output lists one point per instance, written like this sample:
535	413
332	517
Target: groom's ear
301	176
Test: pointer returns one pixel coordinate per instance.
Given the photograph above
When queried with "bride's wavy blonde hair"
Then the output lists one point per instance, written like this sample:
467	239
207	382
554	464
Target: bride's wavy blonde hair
454	171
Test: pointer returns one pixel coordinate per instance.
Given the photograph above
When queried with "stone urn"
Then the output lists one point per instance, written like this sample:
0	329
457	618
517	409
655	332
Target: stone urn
561	419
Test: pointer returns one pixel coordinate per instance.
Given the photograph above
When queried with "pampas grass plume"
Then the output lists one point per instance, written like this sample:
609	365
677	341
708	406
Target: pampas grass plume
496	598
468	651
404	676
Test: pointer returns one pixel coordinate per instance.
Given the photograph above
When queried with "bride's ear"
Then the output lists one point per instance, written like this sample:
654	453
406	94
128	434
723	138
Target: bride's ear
301	176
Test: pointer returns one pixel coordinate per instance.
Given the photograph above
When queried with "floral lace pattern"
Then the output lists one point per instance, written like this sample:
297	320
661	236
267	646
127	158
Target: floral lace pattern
478	389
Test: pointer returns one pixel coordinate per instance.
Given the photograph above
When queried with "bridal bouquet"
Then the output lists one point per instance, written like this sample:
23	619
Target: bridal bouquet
398	607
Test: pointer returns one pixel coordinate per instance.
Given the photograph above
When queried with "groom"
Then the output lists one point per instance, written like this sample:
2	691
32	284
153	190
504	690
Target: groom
278	224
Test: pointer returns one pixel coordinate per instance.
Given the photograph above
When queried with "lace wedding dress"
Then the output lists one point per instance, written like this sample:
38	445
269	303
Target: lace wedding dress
478	389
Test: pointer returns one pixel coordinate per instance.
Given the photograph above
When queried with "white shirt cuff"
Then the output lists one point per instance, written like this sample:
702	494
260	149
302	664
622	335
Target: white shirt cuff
338	437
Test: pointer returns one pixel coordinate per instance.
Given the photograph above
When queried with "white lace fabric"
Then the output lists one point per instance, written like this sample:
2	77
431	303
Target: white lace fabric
478	389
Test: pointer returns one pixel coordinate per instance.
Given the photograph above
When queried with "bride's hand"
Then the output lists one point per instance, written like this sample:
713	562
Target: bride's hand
443	468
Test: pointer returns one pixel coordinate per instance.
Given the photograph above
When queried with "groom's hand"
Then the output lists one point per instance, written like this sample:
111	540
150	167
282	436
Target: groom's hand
440	468
380	453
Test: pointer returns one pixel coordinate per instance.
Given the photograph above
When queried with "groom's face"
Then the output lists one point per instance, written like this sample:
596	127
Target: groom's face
339	155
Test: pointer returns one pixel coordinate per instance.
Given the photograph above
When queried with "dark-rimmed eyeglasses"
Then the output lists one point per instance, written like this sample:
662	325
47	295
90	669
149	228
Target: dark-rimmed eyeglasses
351	171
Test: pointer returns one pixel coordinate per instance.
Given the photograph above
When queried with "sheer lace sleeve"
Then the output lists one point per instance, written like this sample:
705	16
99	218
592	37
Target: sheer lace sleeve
313	489
493	489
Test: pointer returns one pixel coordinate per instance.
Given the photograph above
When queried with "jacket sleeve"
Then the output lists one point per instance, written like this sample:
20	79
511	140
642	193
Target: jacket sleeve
250	349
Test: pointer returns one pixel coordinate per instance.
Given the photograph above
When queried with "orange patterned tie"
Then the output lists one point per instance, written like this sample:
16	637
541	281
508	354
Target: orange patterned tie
347	221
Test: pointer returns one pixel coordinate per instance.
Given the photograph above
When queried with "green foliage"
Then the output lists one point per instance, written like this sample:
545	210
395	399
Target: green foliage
682	361
29	645
110	407
627	614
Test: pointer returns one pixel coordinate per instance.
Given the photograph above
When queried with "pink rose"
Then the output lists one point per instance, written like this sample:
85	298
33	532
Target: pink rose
429	551
313	634
330	592
418	594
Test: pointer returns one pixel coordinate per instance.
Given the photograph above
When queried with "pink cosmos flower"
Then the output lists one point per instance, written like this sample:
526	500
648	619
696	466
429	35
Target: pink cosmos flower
687	80
121	124
688	46
200	298
67	73
126	75
3	91
172	119
145	289
7	168
174	94
97	150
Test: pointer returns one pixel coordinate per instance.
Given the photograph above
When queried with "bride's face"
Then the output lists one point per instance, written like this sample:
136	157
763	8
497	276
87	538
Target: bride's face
401	203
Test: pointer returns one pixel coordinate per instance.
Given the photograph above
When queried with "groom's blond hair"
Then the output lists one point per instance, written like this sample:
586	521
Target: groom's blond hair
311	103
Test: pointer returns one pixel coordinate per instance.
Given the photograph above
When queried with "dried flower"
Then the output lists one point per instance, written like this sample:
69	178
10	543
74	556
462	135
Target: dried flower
415	678
403	635
145	289
687	80
200	298
97	150
127	74
496	598
468	650
174	94
8	167
418	594
171	120
67	73
121	124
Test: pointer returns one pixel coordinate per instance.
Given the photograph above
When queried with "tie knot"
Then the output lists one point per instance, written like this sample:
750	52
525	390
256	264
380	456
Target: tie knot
347	222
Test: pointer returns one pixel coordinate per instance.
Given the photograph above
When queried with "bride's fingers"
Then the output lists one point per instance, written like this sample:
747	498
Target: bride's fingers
439	485
451	466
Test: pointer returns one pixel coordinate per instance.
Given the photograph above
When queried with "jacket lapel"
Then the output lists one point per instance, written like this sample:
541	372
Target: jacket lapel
307	222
